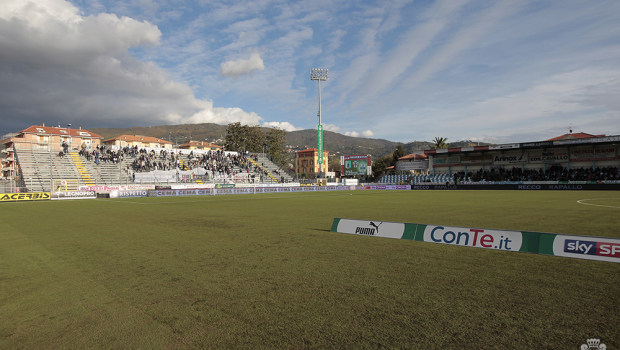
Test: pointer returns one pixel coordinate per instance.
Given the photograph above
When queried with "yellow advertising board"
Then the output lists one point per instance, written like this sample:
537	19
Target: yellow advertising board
32	196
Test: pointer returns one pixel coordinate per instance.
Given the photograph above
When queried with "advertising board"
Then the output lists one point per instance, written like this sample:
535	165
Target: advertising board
224	185
172	193
549	157
128	193
371	228
516	158
591	154
474	237
505	146
117	188
30	196
61	195
402	165
485	159
447	161
569	246
387	187
357	165
585	247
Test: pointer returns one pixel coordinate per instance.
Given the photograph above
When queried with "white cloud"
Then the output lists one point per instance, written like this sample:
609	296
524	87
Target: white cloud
286	126
59	66
218	116
241	66
366	133
331	127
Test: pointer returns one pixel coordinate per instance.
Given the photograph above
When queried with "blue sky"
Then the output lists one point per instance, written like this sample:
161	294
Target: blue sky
495	71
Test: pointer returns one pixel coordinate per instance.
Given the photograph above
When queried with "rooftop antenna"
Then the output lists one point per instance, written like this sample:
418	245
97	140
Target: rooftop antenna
570	128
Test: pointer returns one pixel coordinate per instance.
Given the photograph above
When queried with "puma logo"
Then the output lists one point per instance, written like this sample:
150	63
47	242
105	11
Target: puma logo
375	225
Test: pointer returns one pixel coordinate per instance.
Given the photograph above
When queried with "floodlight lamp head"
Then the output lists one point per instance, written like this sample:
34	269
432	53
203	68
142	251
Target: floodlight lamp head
319	74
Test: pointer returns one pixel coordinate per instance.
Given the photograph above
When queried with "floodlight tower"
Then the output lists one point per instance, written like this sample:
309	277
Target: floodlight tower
319	74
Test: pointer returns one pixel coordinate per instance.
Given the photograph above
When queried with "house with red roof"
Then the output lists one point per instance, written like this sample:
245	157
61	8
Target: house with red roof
44	138
307	162
137	140
200	145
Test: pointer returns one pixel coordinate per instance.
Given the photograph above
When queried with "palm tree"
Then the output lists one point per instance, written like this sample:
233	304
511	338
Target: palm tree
440	142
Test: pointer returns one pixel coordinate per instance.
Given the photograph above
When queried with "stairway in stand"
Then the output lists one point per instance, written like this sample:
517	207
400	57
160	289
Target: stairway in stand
273	178
84	174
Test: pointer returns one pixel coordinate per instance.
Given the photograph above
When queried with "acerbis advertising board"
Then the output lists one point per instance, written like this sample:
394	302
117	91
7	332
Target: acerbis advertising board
30	196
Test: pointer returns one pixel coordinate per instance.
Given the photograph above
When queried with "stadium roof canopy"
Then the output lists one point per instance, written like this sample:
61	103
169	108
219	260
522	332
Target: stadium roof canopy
577	135
414	156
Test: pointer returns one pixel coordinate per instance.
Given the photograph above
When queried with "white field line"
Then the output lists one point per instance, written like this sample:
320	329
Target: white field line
581	201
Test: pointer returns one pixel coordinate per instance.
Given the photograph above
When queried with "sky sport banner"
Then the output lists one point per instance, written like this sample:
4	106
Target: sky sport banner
30	196
584	247
570	246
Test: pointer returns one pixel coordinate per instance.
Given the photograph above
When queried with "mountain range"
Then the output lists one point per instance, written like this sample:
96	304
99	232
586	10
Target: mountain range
337	144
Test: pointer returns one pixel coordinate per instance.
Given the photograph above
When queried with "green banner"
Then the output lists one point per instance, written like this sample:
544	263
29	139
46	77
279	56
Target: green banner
320	138
224	185
570	246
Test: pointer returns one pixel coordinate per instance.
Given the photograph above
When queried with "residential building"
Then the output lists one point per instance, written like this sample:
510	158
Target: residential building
137	140
307	162
200	145
44	138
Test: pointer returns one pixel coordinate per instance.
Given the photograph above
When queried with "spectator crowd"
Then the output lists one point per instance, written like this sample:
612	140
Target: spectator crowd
218	163
554	173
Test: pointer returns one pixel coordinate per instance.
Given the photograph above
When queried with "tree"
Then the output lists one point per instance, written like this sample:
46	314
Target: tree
240	136
334	164
440	142
276	146
399	152
379	165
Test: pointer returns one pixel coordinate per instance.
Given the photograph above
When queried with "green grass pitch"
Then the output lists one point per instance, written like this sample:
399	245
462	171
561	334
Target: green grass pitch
264	272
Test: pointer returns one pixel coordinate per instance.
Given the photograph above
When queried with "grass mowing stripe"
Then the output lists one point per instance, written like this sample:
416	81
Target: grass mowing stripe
48	290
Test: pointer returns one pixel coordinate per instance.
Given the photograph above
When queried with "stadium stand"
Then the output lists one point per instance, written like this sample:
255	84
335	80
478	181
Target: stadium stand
554	173
104	166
